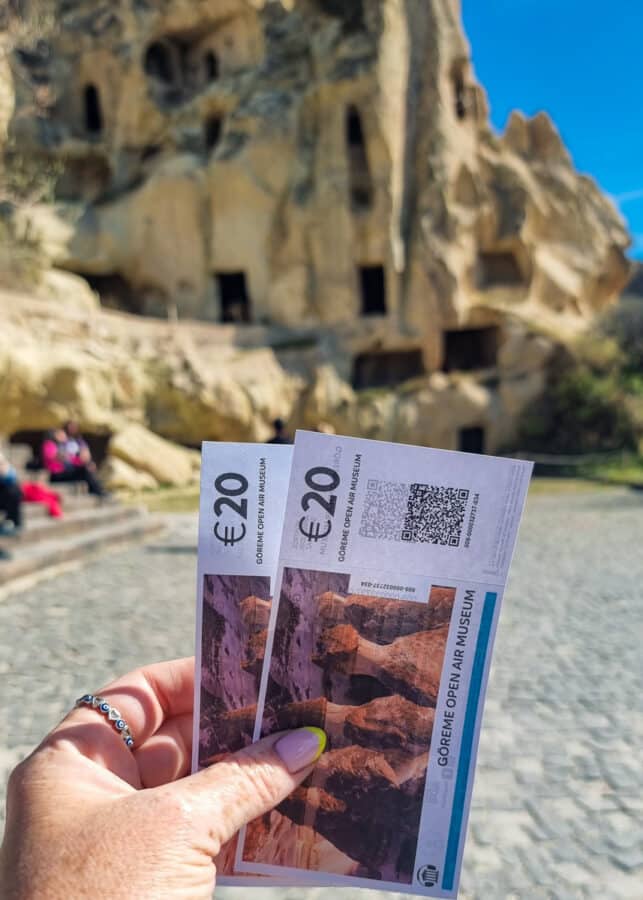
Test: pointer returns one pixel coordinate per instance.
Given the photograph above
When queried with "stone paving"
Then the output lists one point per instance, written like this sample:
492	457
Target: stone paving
558	803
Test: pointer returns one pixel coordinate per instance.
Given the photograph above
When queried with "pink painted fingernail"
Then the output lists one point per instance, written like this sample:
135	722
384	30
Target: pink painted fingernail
301	748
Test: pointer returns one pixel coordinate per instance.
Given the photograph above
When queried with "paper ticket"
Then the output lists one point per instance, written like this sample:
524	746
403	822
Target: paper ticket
391	571
243	497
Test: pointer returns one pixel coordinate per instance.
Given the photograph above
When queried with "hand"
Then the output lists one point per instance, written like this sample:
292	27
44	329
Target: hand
89	818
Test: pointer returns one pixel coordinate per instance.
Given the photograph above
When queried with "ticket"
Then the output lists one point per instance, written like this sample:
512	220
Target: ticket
243	497
392	567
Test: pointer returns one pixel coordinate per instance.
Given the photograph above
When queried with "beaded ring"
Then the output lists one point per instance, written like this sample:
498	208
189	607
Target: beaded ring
112	715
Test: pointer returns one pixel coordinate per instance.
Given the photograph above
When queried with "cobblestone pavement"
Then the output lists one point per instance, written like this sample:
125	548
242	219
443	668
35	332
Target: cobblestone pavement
558	802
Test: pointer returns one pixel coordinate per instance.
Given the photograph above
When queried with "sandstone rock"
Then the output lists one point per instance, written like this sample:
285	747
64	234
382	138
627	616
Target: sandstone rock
223	731
410	665
234	610
372	827
118	475
276	839
281	169
67	289
255	613
390	722
384	723
167	463
381	620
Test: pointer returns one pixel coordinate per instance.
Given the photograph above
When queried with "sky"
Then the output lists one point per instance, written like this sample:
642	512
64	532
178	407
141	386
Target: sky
580	60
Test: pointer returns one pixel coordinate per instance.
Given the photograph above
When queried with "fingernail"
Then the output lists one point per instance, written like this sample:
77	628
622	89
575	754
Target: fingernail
301	748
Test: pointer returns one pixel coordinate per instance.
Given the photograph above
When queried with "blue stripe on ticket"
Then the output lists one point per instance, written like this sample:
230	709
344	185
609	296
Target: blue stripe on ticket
466	746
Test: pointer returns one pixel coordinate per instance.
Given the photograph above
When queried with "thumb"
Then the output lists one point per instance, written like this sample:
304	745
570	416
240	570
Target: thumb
251	782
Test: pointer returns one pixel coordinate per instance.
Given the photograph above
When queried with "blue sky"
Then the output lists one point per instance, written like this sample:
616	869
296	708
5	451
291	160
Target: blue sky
580	61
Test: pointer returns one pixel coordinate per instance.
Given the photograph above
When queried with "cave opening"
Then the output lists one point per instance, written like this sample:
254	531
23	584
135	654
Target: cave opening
211	62
499	269
373	290
93	110
467	349
472	440
25	448
364	688
360	181
159	62
386	369
233	297
115	292
354	130
150	151
212	131
460	96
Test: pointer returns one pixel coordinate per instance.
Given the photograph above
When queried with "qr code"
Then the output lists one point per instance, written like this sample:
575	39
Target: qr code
435	515
385	507
417	513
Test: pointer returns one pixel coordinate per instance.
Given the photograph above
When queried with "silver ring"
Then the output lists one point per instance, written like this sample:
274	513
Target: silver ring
102	706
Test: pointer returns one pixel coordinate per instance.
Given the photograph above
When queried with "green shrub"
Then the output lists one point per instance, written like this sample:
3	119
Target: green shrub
21	259
624	325
580	412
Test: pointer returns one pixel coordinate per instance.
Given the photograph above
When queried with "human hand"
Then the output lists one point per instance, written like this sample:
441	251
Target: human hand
89	818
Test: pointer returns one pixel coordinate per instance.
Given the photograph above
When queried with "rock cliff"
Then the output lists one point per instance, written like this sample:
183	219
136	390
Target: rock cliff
321	180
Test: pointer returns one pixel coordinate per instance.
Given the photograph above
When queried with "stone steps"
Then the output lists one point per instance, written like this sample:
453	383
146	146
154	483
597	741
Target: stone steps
87	527
42	528
85	531
71	503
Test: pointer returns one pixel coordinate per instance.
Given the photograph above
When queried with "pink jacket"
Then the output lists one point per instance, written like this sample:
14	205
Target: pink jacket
51	457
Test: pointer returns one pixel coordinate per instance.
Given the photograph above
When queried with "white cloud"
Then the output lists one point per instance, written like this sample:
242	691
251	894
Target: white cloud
628	196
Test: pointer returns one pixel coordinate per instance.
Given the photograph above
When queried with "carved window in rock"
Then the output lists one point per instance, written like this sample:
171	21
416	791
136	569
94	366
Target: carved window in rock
93	110
160	62
499	269
471	440
233	297
212	131
211	66
460	95
360	181
463	98
373	290
468	349
150	151
386	369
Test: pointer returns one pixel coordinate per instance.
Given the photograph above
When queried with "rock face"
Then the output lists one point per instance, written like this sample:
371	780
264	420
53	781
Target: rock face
234	610
164	461
322	177
109	371
277	840
337	662
409	666
389	619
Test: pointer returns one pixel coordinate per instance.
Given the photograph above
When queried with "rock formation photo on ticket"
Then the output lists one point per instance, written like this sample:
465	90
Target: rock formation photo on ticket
235	615
366	670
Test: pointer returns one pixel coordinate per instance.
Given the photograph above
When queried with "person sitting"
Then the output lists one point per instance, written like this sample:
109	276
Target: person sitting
10	499
65	467
279	437
35	492
76	445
